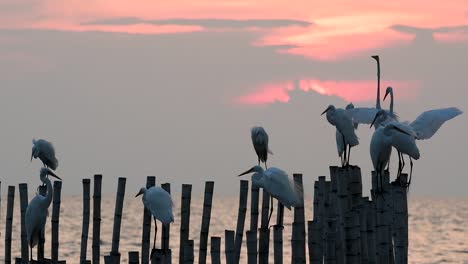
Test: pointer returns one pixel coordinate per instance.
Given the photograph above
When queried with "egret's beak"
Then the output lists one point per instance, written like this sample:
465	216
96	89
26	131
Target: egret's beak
375	57
54	175
246	172
326	110
375	118
386	93
139	193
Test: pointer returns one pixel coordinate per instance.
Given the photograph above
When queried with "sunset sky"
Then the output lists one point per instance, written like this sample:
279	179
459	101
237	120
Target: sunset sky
142	87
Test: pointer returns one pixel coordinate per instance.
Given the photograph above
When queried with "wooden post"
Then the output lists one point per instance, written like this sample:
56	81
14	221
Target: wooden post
185	219
352	229
188	252
319	216
298	227
165	233
339	176
9	223
243	193
133	257
215	250
362	209
334	253
251	246
23	192
278	235
42	190
205	225
229	246
354	183
382	227
96	218
85	224
400	227
314	241
371	233
146	229
55	220
264	239
114	254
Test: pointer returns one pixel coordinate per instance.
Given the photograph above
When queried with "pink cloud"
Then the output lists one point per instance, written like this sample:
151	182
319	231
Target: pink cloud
350	91
451	37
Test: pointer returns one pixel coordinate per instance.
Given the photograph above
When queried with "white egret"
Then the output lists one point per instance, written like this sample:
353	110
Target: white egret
340	144
44	150
381	144
38	210
343	123
159	202
278	184
260	143
377	59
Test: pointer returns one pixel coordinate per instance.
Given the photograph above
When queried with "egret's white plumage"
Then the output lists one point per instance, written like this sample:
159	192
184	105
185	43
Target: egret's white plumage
429	122
278	184
159	202
343	123
340	144
38	210
44	150
260	143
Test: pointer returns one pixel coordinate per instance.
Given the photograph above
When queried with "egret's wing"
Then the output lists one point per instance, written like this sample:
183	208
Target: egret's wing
362	115
260	142
427	123
280	186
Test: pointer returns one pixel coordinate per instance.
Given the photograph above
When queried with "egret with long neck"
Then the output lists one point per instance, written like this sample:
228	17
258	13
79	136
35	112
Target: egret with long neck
37	211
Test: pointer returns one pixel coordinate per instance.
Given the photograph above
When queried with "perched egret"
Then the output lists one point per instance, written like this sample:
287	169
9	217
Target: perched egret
381	144
37	211
260	143
340	144
343	123
44	150
377	59
278	184
159	202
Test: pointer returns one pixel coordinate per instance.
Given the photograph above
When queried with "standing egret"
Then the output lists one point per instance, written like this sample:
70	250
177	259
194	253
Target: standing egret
377	59
277	183
381	144
340	144
44	150
343	123
37	211
159	202
260	143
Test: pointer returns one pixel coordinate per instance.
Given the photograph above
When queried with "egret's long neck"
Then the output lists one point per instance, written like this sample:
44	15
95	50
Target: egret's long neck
377	104
48	198
391	101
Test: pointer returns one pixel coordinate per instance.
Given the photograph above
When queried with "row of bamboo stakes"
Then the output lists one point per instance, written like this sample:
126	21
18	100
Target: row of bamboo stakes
346	228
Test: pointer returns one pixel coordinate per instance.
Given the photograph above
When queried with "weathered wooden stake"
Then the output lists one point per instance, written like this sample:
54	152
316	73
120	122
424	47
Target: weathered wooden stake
338	176
55	220
229	246
205	225
85	224
23	192
382	227
215	250
96	218
251	246
188	252
252	249
185	219
400	227
363	207
165	234
9	223
298	227
371	233
133	257
331	250
314	242
264	239
146	230
278	235
119	200
42	190
243	193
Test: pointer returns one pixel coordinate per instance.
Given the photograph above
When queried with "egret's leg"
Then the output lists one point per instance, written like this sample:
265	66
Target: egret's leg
402	162
349	155
259	161
30	251
271	210
411	171
155	232
266	167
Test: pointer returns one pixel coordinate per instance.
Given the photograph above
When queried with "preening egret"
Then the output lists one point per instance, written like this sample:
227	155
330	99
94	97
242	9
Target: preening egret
159	202
278	184
44	150
260	143
343	123
381	144
37	211
340	144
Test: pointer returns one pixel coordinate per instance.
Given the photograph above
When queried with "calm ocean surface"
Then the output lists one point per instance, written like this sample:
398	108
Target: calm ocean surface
438	231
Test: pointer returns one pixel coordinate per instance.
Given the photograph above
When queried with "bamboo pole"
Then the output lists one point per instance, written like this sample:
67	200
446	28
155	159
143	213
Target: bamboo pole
133	257
264	239
278	235
382	228
188	252
165	234
185	219
23	192
353	245
252	249
215	250
146	229
298	227
42	190
205	225
338	176
243	196
363	207
55	220
314	241
114	254
320	219
354	186
371	233
9	223
251	246
85	224
400	228
96	218
229	247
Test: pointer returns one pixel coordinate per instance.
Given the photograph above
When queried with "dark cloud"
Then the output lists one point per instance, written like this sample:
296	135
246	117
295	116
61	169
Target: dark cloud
206	23
426	34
